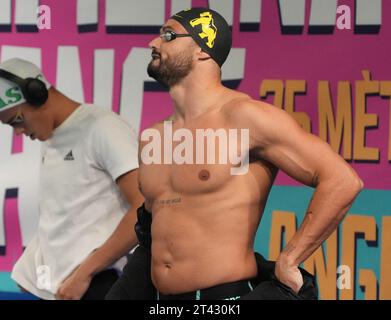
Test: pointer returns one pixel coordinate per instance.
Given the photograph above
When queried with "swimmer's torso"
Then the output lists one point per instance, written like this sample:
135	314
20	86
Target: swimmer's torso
204	218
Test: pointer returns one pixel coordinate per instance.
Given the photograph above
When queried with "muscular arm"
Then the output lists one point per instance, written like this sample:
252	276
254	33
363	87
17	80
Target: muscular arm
119	244
277	138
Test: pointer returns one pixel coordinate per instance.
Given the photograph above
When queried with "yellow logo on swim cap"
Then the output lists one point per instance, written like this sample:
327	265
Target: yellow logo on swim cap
209	29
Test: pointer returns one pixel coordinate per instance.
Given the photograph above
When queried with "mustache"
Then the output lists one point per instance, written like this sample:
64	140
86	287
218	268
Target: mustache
155	53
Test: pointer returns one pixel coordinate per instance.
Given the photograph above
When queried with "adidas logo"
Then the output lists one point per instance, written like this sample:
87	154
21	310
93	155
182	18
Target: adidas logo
69	156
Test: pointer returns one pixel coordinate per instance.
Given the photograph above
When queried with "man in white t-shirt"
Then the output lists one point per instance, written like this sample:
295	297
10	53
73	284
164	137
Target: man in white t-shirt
88	187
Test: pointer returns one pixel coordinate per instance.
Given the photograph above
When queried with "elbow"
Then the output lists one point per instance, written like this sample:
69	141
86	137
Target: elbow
355	185
348	184
359	185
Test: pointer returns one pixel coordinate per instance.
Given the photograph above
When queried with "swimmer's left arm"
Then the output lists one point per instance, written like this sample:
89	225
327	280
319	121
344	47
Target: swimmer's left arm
278	138
116	246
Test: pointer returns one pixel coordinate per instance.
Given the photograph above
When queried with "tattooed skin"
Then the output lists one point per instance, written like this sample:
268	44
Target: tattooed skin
168	202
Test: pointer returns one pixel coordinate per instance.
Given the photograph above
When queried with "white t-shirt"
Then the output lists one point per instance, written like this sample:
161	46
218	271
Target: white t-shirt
80	203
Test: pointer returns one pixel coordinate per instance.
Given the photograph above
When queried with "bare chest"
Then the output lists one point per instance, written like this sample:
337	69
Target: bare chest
156	180
200	159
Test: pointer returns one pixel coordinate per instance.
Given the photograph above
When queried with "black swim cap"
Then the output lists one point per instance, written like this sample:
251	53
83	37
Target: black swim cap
209	30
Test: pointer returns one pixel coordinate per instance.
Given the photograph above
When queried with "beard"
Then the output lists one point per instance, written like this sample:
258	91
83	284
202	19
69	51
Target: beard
172	70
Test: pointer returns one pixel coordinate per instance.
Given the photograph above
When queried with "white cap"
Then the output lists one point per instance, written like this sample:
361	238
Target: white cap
10	93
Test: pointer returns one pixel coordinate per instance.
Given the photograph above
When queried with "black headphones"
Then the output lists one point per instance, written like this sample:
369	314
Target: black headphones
33	89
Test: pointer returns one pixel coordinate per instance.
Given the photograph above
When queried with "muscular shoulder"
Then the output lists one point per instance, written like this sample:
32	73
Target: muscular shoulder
243	109
264	121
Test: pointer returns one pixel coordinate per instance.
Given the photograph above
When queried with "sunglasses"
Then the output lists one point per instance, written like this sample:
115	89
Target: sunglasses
16	121
171	35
